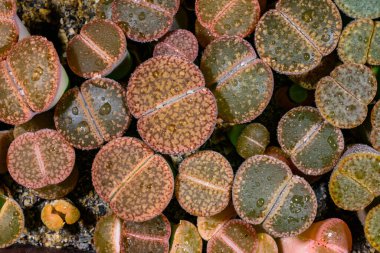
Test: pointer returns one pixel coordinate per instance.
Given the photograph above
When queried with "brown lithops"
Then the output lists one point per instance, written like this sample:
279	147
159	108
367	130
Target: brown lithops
58	213
253	140
31	80
6	137
375	122
93	114
294	37
241	83
342	98
98	49
203	185
360	9
203	35
176	113
137	183
185	238
237	17
144	21
39	159
38	122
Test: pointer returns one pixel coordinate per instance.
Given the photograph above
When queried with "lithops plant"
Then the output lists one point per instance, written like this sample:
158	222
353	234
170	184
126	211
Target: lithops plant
203	184
235	236
137	183
375	122
360	42
58	213
266	244
355	181
372	227
342	97
179	42
265	192
185	238
176	113
144	21
253	140
237	17
313	144
95	113
31	80
203	35
39	159
12	221
360	9
38	122
241	83
107	234
331	235
6	137
294	37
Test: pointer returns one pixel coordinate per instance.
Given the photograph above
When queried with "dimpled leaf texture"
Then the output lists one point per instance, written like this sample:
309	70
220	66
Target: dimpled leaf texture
136	183
186	238
372	227
293	38
313	144
355	181
11	221
176	113
265	192
375	121
360	9
342	97
145	20
241	83
92	114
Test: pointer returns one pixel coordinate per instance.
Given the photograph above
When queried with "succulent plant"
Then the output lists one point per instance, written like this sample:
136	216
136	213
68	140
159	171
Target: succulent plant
39	159
266	244
241	83
360	9
107	234
265	192
12	221
238	17
372	227
331	235
312	143
95	113
6	137
176	113
185	238
353	87
38	122
179	42
359	42
294	37
203	185
58	213
253	140
355	181
137	183
32	80
203	35
375	122
235	236
144	21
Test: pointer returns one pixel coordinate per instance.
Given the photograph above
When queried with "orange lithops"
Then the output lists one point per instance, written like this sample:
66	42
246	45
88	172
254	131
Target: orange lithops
58	213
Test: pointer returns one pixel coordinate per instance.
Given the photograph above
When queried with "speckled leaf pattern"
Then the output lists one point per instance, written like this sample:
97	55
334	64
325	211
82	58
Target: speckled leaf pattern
9	36
372	227
107	234
253	140
11	221
360	9
8	8
374	51
375	122
186	238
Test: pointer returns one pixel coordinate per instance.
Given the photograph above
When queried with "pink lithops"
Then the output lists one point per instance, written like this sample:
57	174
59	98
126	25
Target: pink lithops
235	236
31	81
137	183
98	49
176	113
236	17
93	114
375	122
6	137
294	37
328	236
241	83
203	185
185	238
39	159
179	42
146	20
343	97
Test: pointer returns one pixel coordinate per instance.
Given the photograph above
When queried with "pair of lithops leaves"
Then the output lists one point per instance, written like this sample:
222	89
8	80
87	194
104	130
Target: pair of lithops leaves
375	122
32	80
294	37
343	97
253	140
57	213
355	181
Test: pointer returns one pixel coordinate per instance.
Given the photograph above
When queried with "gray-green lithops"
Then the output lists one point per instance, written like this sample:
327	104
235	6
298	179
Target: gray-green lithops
253	140
359	8
12	221
372	227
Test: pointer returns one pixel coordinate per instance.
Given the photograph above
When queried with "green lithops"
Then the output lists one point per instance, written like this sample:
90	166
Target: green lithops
294	37
203	35
372	227
253	140
313	144
185	238
375	131
12	221
6	137
241	82
355	181
265	192
342	98
360	9
360	42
